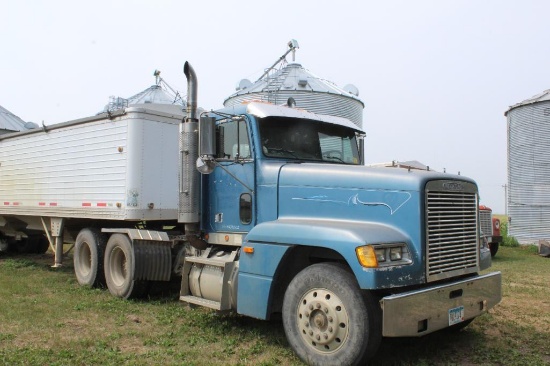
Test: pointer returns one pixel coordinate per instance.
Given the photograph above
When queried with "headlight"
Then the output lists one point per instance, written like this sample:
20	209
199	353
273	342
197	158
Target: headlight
383	255
380	255
396	254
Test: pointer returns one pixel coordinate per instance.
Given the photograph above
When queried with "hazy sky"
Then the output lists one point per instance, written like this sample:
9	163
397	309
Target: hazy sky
436	76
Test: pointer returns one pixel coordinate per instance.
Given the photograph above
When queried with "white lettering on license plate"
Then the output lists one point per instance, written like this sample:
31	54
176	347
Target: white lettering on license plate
456	315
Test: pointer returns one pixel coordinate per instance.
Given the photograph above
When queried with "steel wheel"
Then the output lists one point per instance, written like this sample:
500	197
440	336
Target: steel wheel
118	266
328	319
324	320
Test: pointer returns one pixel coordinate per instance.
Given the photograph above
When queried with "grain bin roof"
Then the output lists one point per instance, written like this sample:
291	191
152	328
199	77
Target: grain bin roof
155	94
159	93
9	122
293	77
541	97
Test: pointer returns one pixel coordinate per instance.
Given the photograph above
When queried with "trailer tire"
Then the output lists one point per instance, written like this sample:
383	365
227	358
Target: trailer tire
120	268
42	245
494	248
89	249
328	320
26	245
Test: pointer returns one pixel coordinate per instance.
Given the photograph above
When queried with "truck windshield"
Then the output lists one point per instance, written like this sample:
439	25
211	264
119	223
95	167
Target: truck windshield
303	139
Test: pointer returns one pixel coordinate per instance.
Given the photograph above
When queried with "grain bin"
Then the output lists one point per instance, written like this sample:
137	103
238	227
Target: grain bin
528	124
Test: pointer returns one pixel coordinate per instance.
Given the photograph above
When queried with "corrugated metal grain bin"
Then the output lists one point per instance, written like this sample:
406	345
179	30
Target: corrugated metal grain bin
529	168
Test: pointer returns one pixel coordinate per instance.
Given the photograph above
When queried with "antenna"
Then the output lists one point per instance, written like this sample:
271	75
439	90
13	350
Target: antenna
292	46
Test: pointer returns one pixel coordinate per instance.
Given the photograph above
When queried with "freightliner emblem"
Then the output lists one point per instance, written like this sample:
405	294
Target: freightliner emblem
453	186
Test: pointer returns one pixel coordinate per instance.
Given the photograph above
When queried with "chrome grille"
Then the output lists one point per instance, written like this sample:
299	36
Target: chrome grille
486	222
451	229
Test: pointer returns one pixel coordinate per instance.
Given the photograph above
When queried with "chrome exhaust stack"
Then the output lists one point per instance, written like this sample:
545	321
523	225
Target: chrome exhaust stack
189	190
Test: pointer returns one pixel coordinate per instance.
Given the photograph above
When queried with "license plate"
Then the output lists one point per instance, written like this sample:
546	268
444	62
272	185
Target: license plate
456	315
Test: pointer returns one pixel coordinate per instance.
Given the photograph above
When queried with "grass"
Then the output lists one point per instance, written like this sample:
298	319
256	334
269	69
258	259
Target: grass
46	318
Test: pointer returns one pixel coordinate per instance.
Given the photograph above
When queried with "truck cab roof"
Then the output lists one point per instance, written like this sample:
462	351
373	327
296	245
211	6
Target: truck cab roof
262	109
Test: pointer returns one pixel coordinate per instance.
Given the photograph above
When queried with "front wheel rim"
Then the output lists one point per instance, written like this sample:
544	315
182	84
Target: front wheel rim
323	320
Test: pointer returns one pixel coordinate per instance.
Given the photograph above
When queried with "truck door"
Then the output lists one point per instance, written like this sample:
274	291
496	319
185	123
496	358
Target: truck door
231	184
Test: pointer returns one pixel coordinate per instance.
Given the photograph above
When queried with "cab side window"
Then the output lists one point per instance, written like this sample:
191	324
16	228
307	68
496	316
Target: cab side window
232	140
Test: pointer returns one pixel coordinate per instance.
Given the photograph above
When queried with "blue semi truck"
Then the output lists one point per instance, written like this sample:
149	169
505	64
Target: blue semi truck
272	213
294	224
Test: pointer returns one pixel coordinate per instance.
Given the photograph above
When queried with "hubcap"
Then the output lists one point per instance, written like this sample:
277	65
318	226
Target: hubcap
323	320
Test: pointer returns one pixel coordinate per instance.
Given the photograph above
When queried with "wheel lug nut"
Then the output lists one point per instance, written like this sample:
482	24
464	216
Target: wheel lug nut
318	306
310	307
330	319
325	335
306	314
310	332
326	310
330	329
306	323
318	337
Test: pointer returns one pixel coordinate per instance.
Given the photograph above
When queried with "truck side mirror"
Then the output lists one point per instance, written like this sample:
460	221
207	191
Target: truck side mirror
207	136
207	145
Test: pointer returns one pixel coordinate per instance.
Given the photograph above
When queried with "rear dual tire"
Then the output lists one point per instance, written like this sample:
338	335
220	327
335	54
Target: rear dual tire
89	249
120	268
33	244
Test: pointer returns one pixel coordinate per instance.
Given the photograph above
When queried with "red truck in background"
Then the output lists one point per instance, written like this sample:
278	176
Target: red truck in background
490	228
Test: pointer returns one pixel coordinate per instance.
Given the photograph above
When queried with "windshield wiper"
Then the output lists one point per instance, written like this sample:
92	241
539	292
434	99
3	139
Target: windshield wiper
281	150
335	157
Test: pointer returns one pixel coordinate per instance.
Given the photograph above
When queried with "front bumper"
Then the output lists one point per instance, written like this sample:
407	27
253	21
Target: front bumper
419	312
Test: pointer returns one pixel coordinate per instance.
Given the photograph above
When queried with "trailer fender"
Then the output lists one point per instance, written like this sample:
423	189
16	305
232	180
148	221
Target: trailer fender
151	253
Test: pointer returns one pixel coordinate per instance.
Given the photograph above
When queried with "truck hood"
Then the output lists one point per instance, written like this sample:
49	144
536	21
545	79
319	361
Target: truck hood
338	191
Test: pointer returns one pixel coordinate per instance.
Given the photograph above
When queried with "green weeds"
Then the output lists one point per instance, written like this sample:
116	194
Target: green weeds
47	319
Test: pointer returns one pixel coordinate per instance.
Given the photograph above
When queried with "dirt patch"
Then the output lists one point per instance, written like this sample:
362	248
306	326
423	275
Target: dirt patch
524	310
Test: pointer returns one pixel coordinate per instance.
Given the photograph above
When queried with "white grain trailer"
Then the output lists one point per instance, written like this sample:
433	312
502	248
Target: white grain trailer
73	182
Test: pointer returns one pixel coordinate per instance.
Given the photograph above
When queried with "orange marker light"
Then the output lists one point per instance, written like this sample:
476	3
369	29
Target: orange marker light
227	238
248	250
366	256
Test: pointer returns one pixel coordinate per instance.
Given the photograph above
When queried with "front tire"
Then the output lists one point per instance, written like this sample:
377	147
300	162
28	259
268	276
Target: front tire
89	249
328	320
120	268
